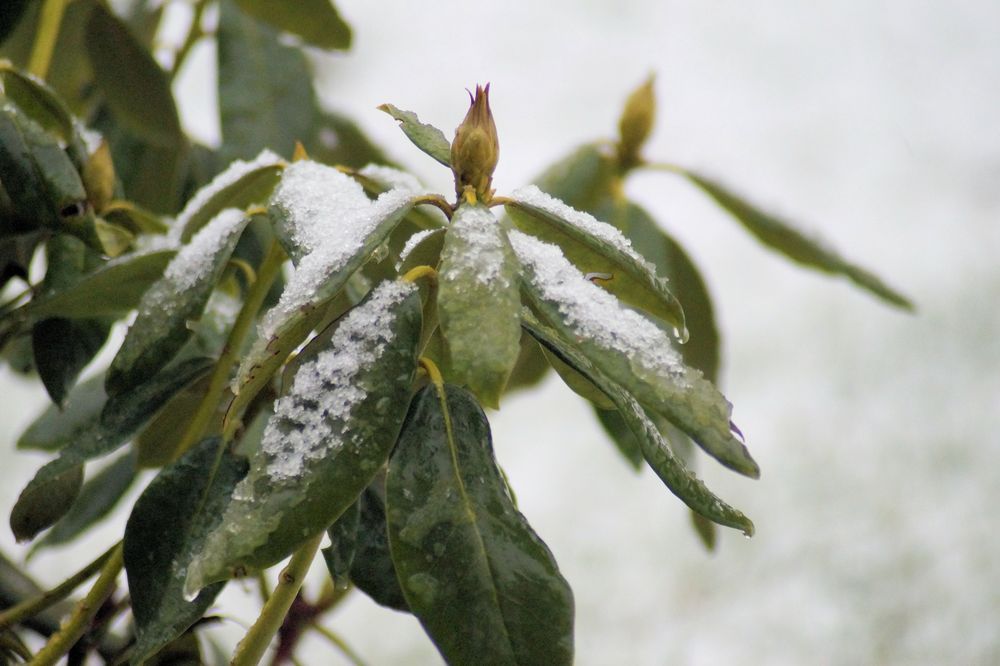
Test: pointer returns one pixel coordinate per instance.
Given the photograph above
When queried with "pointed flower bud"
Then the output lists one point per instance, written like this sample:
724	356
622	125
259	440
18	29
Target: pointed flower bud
636	123
476	148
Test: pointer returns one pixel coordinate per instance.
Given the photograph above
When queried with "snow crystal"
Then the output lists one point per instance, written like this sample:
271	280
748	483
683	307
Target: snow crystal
392	179
411	243
230	175
197	258
314	203
481	252
337	246
595	315
308	423
530	195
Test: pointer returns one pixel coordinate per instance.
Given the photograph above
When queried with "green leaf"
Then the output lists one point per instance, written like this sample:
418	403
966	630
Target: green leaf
266	96
38	101
98	496
112	290
326	440
482	583
98	433
45	499
57	427
584	179
12	12
577	382
240	185
157	444
630	349
621	435
656	451
321	274
315	21
479	301
701	351
63	348
425	250
162	324
426	137
131	81
167	527
782	237
134	218
372	570
339	555
338	140
599	250
531	367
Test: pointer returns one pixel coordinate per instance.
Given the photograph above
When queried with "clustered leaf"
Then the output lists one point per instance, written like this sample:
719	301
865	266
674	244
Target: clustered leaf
344	396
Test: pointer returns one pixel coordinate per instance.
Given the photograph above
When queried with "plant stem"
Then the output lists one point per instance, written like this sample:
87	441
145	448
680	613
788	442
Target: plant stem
194	34
45	39
30	607
63	640
234	343
339	642
251	649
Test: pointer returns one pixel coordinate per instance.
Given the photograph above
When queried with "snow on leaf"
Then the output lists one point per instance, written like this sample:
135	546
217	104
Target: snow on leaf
327	438
161	327
392	179
631	349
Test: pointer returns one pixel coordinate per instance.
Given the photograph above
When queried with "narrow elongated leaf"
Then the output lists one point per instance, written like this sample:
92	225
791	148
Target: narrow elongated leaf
101	433
38	101
161	326
354	234
167	527
327	439
45	499
784	238
58	427
479	302
702	350
111	290
372	570
98	497
266	97
339	555
315	21
657	452
64	347
616	428
131	81
426	137
338	140
156	445
240	185
599	250
484	586
630	350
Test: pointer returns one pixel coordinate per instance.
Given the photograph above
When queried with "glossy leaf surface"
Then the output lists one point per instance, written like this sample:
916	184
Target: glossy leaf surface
62	348
784	238
479	302
326	440
656	451
599	250
168	525
58	427
630	349
484	586
45	499
426	137
372	570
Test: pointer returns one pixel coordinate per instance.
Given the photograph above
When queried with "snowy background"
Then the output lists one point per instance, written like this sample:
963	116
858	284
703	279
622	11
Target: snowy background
872	124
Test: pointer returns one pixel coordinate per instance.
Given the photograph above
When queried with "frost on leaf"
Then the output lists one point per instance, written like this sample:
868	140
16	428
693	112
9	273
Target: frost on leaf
311	204
204	198
630	349
327	438
161	326
479	302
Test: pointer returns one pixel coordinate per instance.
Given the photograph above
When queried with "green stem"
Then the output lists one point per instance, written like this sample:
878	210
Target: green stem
339	642
63	640
251	649
219	381
194	34
45	39
662	166
30	607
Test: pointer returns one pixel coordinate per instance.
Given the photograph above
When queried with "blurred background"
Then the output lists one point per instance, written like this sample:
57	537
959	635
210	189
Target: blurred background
873	126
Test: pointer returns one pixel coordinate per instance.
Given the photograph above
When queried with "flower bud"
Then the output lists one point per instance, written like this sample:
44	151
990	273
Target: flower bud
636	123
476	148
